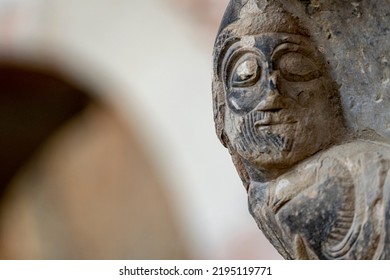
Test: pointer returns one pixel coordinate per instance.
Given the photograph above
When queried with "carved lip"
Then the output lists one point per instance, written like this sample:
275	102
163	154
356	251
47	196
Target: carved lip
267	123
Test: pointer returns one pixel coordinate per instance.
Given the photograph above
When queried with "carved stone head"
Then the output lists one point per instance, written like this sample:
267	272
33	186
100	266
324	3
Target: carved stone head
275	103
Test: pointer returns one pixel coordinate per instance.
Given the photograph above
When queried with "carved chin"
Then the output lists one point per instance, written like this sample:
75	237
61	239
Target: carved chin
274	144
266	144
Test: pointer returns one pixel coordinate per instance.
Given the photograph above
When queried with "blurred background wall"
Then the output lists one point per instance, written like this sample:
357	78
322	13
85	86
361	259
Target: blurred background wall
107	136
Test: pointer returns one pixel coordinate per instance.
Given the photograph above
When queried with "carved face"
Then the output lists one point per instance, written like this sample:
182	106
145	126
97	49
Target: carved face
277	99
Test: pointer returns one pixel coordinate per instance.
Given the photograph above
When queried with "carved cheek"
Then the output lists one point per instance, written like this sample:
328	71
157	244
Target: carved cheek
243	100
315	96
306	94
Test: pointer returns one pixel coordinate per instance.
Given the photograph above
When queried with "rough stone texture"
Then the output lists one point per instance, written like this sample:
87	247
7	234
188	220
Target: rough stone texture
300	92
355	38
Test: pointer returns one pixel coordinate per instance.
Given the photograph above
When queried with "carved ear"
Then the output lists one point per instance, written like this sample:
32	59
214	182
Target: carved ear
219	110
219	119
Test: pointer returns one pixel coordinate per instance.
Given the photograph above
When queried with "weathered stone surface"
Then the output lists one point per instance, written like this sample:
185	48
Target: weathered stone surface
300	92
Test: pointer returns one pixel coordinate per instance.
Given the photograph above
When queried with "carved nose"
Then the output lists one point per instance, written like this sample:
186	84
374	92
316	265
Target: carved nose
272	100
272	82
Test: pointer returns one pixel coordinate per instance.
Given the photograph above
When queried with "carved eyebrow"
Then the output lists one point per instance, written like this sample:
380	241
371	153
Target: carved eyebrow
288	47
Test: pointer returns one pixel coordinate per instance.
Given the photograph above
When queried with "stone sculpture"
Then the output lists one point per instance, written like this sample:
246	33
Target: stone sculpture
316	189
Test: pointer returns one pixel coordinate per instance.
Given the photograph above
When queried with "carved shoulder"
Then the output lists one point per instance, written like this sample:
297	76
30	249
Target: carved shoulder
330	206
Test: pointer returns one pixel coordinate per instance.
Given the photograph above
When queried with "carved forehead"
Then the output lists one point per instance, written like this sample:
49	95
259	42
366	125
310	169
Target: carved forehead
250	17
270	43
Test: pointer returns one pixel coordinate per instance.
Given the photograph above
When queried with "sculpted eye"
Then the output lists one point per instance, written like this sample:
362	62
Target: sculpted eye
296	67
246	73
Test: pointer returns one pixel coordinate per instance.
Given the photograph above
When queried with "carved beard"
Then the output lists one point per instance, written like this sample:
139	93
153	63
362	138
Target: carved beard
255	140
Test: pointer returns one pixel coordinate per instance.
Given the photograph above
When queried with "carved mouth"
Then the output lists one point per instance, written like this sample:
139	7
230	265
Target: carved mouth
265	132
263	124
267	119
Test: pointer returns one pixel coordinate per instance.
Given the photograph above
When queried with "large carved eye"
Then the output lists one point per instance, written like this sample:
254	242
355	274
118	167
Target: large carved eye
296	67
246	73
